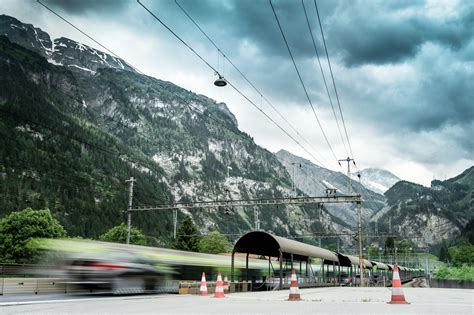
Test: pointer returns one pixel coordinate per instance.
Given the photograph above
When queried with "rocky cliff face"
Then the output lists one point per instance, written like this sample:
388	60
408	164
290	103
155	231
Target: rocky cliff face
112	123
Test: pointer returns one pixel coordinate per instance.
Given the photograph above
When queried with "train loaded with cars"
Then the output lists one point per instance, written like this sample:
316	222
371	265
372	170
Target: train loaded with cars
262	260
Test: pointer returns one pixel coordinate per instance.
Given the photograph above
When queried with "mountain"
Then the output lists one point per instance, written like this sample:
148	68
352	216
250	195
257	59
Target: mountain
429	214
62	51
313	180
76	123
378	180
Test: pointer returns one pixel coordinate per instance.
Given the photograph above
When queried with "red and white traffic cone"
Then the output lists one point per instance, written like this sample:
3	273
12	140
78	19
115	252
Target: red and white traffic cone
226	285
219	287
203	288
397	292
294	290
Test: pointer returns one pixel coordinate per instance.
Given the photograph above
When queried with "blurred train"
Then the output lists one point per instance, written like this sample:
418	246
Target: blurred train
119	268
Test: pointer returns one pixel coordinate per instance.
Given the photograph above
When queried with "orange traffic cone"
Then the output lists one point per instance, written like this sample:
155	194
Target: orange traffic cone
203	288
219	288
294	291
226	285
397	291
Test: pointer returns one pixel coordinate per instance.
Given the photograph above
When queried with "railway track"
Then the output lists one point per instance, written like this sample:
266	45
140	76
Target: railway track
417	283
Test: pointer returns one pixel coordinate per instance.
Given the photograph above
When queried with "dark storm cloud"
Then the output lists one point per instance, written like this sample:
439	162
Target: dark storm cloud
376	33
366	32
82	6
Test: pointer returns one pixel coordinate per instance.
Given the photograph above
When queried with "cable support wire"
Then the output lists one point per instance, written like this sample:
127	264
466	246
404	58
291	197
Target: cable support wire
333	81
301	81
230	83
248	80
324	77
185	102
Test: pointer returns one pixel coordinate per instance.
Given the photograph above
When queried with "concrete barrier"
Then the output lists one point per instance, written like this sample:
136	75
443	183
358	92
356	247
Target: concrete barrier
50	285
451	284
19	286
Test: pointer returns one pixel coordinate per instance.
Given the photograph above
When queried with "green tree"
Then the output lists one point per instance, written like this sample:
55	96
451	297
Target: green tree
332	247
118	234
389	246
18	229
444	253
374	252
215	243
462	254
187	237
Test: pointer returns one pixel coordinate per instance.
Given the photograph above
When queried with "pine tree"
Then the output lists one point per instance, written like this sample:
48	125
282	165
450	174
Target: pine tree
187	237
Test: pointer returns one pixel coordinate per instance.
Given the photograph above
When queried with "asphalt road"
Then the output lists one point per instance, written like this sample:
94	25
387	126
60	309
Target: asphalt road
321	301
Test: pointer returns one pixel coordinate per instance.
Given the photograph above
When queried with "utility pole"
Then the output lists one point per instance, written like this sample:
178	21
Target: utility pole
175	222
361	258
349	183
129	212
390	225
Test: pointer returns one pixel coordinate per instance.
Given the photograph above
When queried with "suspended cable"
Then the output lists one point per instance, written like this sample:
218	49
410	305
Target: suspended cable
185	102
333	81
246	78
324	77
232	85
188	104
301	81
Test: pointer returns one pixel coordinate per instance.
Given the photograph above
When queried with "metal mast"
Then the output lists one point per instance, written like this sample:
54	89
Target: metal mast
129	212
349	183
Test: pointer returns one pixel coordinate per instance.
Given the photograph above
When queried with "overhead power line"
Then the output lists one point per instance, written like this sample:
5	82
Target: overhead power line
332	77
301	81
187	103
247	79
184	101
324	77
230	83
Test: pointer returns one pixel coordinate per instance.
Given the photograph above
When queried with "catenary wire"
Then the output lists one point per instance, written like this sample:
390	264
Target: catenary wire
230	83
324	77
247	79
184	101
137	70
301	81
333	81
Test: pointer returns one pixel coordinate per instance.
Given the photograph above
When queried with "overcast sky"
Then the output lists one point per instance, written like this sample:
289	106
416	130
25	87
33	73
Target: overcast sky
404	70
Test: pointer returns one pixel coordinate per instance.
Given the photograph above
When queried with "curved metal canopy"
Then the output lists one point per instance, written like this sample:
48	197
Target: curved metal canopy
262	243
353	261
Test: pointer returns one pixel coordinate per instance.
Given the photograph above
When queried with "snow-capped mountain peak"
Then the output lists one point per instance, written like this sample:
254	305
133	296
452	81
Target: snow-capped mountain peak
378	180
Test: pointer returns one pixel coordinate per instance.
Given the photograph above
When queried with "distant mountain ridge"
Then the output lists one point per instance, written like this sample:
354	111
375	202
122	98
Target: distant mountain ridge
429	214
378	180
313	180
